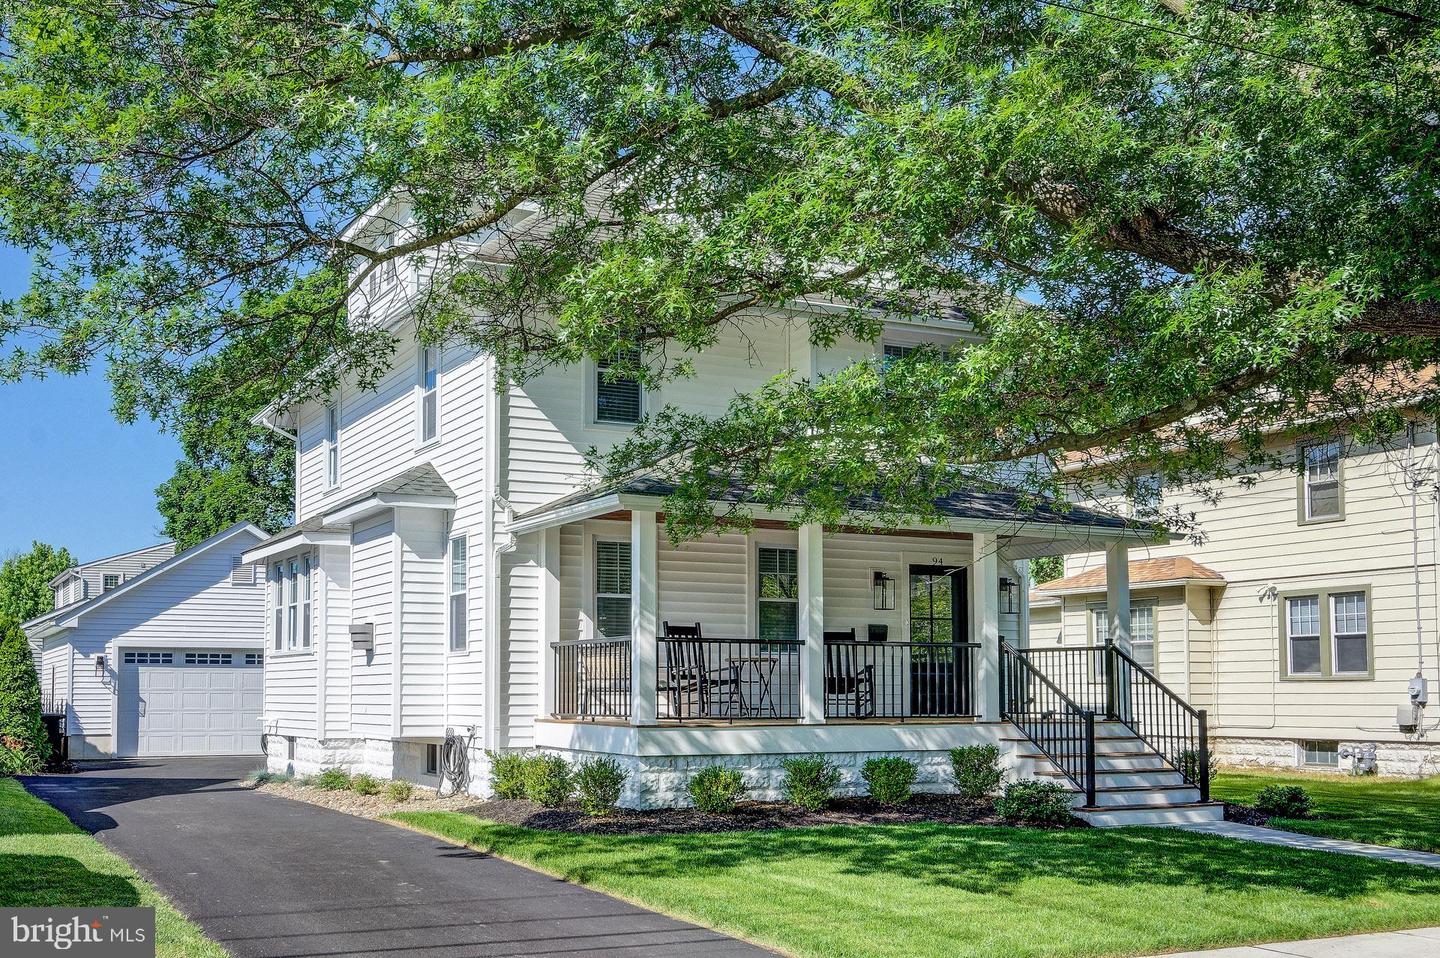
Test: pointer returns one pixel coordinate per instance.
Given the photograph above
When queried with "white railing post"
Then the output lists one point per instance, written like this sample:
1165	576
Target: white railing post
644	612
549	617
985	624
1117	626
811	624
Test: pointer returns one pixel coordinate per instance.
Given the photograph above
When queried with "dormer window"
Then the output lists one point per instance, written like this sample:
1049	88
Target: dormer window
618	399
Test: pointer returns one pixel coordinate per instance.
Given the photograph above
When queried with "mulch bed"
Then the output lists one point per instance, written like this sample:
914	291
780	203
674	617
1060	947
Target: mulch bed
1245	815
748	816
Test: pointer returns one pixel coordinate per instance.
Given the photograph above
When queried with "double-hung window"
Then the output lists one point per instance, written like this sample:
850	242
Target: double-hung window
618	399
332	446
294	602
277	602
429	392
777	594
612	589
1327	634
1142	631
109	582
1321	495
459	597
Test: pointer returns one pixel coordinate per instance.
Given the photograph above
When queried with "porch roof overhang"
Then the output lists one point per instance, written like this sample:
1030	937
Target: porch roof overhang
418	488
1037	530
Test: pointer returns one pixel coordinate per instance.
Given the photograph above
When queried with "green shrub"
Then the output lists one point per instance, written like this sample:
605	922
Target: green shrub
399	791
507	773
1283	801
889	779
331	780
13	760
977	771
21	728
716	790
363	784
1189	765
809	782
1043	804
547	780
599	781
262	776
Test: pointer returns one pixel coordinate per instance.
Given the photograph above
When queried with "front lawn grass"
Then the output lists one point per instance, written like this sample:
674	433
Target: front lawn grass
1403	813
903	891
46	861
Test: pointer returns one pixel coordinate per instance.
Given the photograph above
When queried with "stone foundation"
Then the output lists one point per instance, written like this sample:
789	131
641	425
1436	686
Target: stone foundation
383	758
1413	759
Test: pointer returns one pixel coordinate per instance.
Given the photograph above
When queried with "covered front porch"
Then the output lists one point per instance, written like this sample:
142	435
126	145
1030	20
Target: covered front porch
779	625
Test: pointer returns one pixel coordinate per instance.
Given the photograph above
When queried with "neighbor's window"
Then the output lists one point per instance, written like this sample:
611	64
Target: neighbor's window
617	398
109	582
1320	484
1321	752
893	351
459	596
332	446
1142	631
1327	634
1350	633
429	392
778	594
612	589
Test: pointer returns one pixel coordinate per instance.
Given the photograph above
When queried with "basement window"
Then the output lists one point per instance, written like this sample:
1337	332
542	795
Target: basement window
1321	752
432	759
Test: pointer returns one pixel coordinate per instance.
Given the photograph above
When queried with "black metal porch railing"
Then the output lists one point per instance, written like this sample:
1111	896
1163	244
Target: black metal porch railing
592	678
52	705
899	680
1110	683
1056	724
1165	721
728	679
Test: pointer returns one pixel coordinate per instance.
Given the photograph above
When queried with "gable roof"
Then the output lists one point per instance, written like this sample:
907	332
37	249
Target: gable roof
81	566
1144	573
66	617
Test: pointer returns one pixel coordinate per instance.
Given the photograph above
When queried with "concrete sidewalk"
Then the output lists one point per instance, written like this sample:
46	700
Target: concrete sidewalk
1274	836
1415	943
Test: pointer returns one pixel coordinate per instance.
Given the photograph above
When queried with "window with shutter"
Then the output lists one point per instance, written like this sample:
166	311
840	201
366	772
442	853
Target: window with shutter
612	589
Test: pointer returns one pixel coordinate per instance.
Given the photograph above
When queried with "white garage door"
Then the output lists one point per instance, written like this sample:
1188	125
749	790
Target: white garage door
190	702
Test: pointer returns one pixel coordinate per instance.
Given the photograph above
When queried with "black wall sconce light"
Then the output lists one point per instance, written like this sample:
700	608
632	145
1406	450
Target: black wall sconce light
884	591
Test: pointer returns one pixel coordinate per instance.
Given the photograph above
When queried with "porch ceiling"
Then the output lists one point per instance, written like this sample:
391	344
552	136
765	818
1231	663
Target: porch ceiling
1039	530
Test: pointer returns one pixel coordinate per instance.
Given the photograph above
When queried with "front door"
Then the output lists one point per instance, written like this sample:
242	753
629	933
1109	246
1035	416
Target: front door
939	621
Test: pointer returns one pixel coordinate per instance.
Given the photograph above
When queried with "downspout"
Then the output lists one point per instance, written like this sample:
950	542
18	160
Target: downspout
490	702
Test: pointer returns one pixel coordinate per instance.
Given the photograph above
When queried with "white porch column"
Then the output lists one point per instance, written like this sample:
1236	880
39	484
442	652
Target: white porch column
811	623
1117	595
549	616
644	614
985	624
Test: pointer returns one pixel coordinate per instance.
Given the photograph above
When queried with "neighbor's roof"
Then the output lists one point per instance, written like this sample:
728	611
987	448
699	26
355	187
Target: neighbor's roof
81	566
994	505
1150	573
66	616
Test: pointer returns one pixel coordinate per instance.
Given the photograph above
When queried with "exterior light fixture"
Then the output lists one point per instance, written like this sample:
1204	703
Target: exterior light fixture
1009	595
884	591
99	665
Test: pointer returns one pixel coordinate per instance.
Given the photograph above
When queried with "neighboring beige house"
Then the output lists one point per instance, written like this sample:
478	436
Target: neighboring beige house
1301	620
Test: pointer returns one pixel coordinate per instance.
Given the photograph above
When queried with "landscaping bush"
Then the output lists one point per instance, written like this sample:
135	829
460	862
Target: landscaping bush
20	725
547	780
716	790
399	791
1283	801
331	780
599	782
363	784
977	771
809	782
262	776
1189	765
507	774
889	779
1043	804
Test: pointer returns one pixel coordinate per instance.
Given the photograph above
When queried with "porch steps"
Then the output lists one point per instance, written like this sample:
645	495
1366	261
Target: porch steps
1134	785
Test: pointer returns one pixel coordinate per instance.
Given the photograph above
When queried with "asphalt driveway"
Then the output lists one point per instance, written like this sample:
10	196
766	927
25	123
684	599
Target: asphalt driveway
266	876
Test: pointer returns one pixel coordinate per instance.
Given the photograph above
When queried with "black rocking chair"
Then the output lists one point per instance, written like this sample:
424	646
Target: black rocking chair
847	676
688	674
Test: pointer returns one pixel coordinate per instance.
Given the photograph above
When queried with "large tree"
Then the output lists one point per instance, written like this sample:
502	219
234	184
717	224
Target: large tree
1224	212
24	577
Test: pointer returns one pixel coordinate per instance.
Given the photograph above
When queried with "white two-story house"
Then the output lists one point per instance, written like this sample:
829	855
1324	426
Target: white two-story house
455	571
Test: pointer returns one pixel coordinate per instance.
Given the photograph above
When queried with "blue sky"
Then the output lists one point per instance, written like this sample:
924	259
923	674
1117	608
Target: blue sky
72	476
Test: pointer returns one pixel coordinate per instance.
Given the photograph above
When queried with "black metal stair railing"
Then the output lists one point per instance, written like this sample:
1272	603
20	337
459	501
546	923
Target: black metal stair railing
1163	720
1061	729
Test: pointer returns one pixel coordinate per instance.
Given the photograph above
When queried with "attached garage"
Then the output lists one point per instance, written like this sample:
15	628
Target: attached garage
190	702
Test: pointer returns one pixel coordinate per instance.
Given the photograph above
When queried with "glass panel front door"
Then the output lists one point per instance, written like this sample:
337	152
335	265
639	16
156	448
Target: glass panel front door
939	618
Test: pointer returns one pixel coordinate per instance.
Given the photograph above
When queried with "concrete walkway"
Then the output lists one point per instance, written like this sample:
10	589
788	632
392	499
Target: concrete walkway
1416	943
267	877
1272	836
